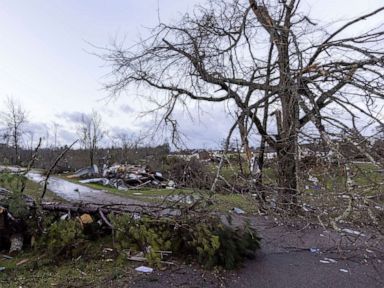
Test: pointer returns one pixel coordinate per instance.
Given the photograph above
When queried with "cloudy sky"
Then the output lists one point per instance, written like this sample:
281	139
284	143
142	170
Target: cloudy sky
46	61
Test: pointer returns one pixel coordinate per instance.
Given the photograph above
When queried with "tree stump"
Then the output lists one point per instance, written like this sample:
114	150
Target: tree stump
16	240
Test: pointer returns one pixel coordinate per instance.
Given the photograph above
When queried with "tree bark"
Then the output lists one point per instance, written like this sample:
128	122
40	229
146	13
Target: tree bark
17	240
287	151
287	175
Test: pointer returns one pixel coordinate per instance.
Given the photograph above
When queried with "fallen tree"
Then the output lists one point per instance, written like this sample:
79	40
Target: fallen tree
188	232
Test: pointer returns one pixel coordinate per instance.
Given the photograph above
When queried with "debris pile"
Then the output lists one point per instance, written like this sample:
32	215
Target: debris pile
125	177
90	171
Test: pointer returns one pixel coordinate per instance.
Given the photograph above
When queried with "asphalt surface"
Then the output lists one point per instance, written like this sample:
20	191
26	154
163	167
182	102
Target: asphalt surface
301	269
311	257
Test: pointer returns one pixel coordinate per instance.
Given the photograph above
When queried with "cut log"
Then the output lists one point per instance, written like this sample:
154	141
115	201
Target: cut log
17	240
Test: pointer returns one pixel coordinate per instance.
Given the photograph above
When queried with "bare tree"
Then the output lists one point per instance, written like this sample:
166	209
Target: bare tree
90	132
269	62
55	126
14	118
129	141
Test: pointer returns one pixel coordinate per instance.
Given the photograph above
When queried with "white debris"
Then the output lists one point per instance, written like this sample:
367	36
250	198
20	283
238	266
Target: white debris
325	262
144	269
313	179
158	174
133	176
65	217
171	184
238	210
91	170
344	270
353	232
379	207
307	208
330	260
102	181
254	166
314	250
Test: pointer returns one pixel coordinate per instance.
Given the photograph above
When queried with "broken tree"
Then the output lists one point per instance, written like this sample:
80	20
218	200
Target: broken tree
148	230
255	56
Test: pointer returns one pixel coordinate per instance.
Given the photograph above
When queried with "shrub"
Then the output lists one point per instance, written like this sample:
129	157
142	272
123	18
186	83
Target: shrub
63	238
207	239
192	173
16	199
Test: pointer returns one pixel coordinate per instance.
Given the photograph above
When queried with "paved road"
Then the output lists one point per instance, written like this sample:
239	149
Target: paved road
285	259
302	269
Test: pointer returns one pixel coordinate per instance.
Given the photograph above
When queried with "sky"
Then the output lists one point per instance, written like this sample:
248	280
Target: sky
47	61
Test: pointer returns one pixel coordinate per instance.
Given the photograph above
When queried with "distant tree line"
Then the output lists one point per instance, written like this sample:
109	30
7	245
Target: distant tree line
90	131
78	158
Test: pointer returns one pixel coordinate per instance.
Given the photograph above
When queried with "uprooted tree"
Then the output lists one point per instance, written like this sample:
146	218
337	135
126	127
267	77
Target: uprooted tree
187	231
270	63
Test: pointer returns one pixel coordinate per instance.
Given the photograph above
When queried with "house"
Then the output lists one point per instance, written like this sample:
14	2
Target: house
269	152
314	149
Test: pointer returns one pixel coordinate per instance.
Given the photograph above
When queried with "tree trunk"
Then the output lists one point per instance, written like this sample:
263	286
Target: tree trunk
17	240
259	179
287	124
91	156
287	176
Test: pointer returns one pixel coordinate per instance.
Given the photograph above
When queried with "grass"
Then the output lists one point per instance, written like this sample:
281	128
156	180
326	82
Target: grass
330	196
96	267
146	192
221	202
366	179
12	182
226	202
